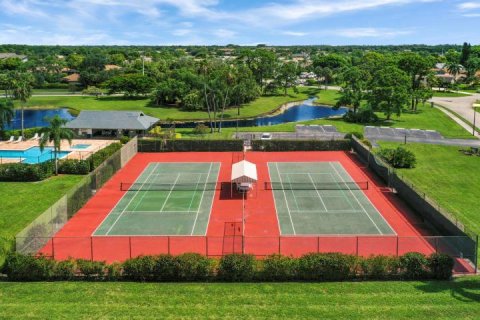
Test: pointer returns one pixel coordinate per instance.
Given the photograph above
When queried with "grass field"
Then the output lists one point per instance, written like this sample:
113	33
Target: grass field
259	106
457	299
449	94
449	177
22	202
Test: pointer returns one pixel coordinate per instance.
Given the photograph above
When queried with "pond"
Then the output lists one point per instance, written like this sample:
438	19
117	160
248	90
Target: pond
36	117
304	111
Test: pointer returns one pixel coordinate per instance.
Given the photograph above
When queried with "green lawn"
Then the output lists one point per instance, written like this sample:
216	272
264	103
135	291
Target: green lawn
449	177
449	94
22	202
260	106
457	299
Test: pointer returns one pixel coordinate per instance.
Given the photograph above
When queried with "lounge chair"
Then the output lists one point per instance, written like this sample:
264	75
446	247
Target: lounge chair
35	137
12	138
41	136
18	140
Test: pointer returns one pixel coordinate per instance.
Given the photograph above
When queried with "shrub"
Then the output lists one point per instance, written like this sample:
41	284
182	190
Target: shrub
28	268
363	115
100	156
192	267
124	139
237	267
201	129
413	266
379	267
326	266
74	166
140	268
357	134
367	143
440	266
65	270
279	268
165	268
22	172
91	270
300	145
114	271
399	157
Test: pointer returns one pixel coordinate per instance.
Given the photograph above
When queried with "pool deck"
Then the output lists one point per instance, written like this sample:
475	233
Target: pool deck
95	145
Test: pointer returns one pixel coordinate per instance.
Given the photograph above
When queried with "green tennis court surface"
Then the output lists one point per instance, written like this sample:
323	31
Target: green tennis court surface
313	198
166	199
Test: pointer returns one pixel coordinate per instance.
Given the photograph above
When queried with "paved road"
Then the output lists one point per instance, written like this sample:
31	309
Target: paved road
461	106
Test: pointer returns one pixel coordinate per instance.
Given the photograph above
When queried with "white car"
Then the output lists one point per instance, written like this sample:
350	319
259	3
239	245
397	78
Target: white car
266	136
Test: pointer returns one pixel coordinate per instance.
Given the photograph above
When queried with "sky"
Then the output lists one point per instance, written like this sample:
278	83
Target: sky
241	22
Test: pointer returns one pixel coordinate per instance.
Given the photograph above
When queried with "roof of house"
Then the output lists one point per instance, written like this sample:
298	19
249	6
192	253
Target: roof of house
244	171
74	77
7	55
112	120
109	67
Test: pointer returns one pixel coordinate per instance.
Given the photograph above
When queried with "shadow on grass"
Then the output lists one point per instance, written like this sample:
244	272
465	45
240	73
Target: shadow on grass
465	290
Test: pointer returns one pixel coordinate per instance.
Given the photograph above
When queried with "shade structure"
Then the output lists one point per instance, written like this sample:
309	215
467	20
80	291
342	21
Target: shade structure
244	172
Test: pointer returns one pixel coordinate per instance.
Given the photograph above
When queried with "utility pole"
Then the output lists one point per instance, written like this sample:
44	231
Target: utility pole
474	118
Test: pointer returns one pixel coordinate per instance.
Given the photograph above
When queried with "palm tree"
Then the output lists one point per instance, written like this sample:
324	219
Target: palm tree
22	90
6	113
56	133
454	69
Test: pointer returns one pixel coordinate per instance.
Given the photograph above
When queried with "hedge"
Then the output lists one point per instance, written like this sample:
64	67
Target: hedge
235	267
74	166
186	145
301	145
101	155
27	133
22	172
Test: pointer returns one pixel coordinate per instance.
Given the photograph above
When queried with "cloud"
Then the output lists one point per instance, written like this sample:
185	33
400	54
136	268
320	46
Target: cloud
469	5
295	33
471	15
181	32
224	33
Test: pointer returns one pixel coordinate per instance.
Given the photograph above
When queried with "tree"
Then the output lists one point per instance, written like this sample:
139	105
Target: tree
93	91
466	50
74	61
389	91
472	65
22	90
55	133
130	85
7	113
454	69
418	68
286	74
354	88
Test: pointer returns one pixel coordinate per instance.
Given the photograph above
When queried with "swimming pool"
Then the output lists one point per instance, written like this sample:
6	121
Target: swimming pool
80	146
32	155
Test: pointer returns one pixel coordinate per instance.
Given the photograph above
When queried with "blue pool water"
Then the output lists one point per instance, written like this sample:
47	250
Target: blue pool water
80	146
32	155
36	117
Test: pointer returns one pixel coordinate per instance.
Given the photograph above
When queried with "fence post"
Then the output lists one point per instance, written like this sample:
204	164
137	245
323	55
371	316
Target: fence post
53	248
356	253
206	246
91	248
130	247
397	246
436	244
318	244
279	245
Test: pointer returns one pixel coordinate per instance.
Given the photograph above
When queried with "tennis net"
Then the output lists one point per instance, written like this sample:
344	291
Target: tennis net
139	186
340	185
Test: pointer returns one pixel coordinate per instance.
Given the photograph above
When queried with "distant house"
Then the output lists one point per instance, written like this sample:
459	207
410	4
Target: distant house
73	78
111	123
7	55
109	67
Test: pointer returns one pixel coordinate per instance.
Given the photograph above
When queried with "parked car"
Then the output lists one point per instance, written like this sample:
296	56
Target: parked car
266	136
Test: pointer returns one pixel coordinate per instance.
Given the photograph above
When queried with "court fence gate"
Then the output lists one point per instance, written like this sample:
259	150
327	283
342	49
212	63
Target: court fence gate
442	220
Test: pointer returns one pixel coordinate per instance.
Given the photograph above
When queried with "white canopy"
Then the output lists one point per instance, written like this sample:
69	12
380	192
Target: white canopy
244	171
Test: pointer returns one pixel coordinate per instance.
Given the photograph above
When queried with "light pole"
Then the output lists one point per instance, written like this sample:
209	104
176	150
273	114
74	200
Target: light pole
474	118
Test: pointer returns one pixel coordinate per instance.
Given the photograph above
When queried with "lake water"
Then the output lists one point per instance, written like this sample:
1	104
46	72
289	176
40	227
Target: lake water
36	117
304	111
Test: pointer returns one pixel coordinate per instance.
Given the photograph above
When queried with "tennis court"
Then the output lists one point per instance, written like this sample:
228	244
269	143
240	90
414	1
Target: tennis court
166	199
316	198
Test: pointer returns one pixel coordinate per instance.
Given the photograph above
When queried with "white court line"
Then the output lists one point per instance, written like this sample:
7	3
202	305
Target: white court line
195	192
157	212
354	195
318	193
170	192
285	196
201	200
213	195
136	193
293	193
274	200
